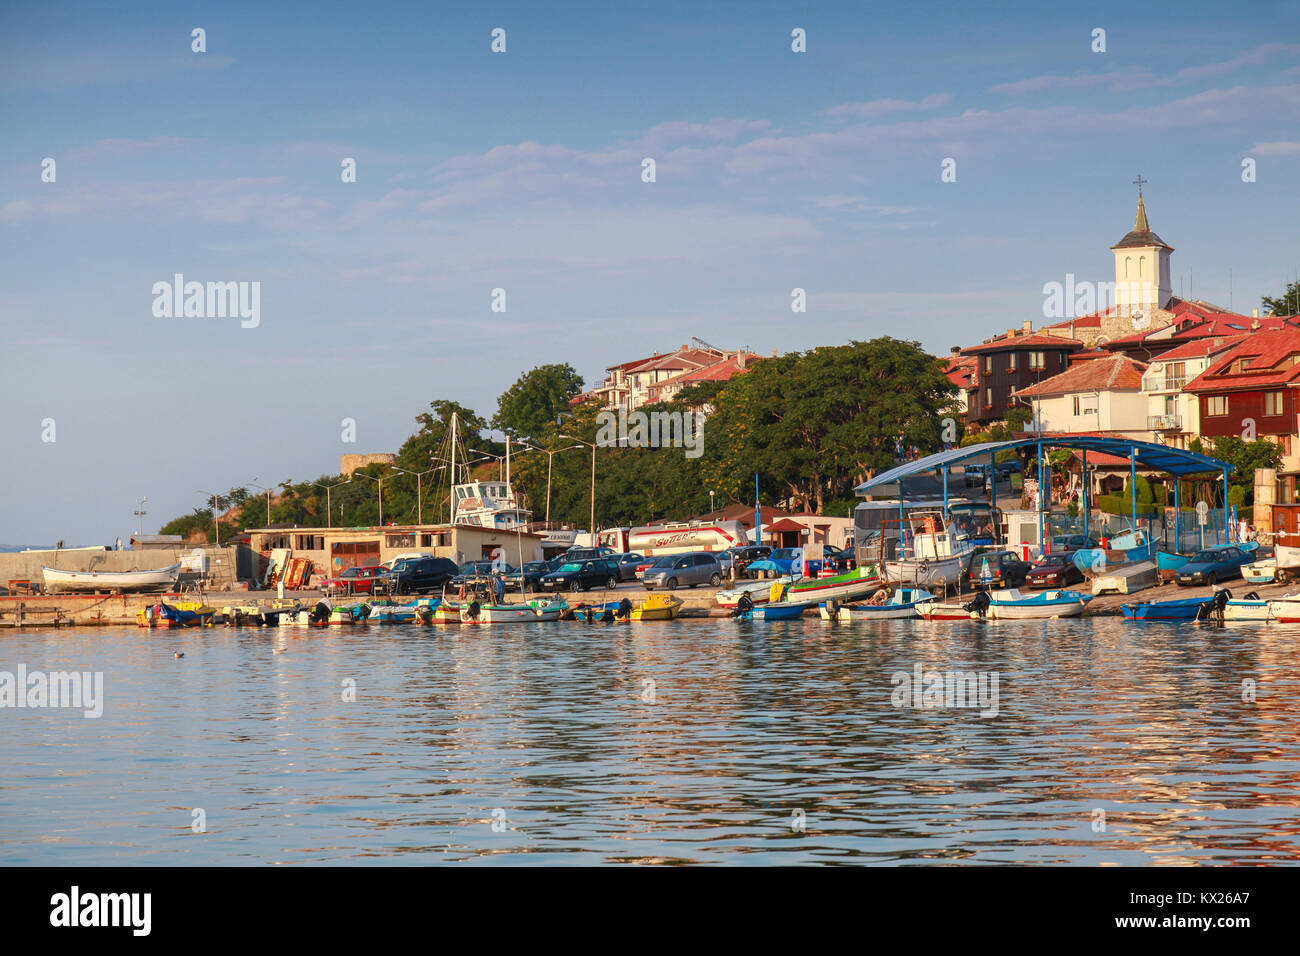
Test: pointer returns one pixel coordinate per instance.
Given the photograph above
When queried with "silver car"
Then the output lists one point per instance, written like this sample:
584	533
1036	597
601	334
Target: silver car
691	569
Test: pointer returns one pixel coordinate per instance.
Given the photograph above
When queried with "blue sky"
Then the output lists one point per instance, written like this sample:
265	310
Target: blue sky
522	171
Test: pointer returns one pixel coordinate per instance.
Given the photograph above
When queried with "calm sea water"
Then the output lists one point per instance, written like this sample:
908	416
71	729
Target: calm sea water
755	743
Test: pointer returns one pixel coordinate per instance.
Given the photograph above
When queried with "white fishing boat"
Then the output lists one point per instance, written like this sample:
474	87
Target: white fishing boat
936	557
538	609
1010	604
156	579
949	611
759	591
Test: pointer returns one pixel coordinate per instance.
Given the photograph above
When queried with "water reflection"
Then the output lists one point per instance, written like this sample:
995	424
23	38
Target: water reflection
762	743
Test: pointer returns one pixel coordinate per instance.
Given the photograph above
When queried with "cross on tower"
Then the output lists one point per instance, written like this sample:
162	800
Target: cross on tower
1138	183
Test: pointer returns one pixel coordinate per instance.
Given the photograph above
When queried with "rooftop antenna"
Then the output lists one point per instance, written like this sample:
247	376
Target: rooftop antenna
713	348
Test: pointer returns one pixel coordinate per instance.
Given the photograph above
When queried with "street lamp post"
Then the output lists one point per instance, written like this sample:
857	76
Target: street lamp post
268	499
329	516
216	528
500	459
419	489
140	512
592	446
380	479
550	460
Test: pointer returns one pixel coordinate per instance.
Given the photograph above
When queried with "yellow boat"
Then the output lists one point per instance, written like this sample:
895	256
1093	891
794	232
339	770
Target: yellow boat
657	607
448	612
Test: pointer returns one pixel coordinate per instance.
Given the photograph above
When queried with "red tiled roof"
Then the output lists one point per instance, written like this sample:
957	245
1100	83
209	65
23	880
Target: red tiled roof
682	358
1090	321
1272	357
1111	373
961	370
1030	341
1198	348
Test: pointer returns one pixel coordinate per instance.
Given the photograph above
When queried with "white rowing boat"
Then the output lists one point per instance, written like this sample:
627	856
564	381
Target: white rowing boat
57	580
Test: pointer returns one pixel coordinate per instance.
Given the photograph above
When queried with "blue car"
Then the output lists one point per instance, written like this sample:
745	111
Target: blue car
1213	565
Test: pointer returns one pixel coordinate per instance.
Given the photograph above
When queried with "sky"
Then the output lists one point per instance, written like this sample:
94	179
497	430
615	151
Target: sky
523	171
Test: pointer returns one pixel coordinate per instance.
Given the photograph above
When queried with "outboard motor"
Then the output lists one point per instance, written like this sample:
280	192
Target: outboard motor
361	612
472	612
744	609
1214	610
833	609
979	603
424	614
607	616
320	613
624	612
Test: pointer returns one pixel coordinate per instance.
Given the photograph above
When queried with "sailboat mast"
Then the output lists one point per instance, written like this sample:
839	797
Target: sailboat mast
453	469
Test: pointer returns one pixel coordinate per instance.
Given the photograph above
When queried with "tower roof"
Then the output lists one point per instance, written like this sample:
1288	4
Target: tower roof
1141	234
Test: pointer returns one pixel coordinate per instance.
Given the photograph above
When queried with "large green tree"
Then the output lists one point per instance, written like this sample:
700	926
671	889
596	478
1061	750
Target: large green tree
1288	303
536	398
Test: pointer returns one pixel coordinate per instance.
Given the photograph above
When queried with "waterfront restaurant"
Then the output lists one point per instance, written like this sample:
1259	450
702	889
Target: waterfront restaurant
331	550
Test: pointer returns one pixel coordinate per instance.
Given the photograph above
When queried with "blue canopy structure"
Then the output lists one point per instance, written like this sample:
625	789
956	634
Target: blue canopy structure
1173	461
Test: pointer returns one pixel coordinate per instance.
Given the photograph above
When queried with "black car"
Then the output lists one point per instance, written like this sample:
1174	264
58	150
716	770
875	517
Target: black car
580	575
1074	542
529	578
838	559
995	569
627	563
476	570
417	575
742	558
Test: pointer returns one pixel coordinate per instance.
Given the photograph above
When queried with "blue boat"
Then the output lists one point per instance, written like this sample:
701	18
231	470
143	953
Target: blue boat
1170	561
1183	609
1010	604
784	611
594	612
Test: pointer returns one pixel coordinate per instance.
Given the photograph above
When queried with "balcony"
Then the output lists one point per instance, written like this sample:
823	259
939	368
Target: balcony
1164	423
1164	383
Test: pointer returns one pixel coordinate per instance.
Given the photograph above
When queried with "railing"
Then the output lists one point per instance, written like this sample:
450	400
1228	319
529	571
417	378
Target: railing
1165	383
1164	422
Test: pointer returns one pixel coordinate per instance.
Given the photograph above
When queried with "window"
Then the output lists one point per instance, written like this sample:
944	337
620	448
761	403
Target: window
1011	362
399	540
1216	405
988	398
987	364
1037	360
1076	405
1273	403
309	542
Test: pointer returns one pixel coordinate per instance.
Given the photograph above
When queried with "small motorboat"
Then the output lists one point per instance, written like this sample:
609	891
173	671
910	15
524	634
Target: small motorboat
849	586
1171	561
402	613
972	610
657	607
759	591
1009	604
902	603
156	579
538	609
610	612
1183	609
165	616
1260	572
778	611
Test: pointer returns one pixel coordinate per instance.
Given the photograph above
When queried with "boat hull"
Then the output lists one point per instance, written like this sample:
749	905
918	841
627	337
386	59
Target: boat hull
1012	606
759	591
781	612
941	611
529	613
657	608
926	574
1185	609
156	579
842	587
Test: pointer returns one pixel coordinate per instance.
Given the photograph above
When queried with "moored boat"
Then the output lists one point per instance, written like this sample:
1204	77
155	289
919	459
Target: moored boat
849	586
901	604
538	609
759	591
1182	609
657	607
156	579
1010	604
778	611
1260	572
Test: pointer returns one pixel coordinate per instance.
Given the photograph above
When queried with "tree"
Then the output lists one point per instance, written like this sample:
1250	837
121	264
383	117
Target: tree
536	398
1288	303
1244	456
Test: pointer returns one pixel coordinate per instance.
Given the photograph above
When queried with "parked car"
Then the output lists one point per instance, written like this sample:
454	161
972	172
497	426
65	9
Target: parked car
580	575
974	476
1054	570
627	564
583	554
838	560
1214	565
693	568
779	562
529	578
1005	570
355	580
1007	468
421	575
1073	542
475	569
741	558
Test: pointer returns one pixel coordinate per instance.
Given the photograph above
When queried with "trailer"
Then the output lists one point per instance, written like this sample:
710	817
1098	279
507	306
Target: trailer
1127	579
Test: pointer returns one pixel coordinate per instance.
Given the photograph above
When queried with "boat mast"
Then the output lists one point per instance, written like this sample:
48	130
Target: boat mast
453	469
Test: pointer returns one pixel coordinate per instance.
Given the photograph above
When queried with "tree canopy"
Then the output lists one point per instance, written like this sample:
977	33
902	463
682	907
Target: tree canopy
536	398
